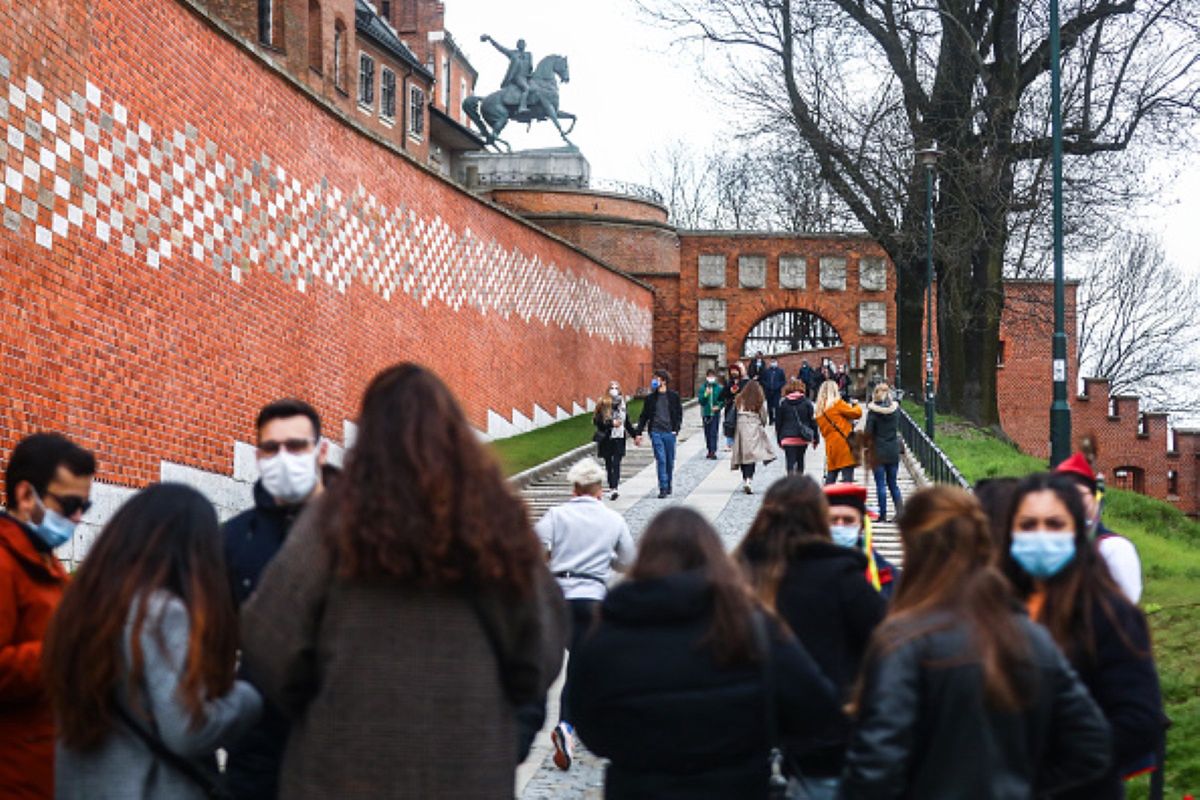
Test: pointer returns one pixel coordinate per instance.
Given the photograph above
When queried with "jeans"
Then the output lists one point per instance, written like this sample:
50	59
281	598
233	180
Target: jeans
793	455
583	612
885	481
815	788
712	429
664	457
612	465
846	475
772	405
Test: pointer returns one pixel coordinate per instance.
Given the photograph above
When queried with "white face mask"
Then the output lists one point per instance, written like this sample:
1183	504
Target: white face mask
615	392
290	478
845	535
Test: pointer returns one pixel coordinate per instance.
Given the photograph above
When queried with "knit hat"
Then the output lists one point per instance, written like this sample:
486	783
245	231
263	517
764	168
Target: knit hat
1078	467
847	494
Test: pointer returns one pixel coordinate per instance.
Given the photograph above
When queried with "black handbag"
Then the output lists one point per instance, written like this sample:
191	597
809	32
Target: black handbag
778	787
208	781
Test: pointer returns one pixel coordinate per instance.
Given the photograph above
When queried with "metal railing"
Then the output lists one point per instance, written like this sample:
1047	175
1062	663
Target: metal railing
937	465
626	188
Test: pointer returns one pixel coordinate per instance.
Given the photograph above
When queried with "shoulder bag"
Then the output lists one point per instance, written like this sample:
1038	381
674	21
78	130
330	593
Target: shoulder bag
853	441
806	431
777	783
208	781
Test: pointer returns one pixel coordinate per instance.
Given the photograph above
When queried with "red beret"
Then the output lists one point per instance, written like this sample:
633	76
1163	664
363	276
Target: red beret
847	494
1077	467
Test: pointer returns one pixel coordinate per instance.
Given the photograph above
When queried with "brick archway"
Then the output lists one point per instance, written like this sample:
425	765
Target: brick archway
793	330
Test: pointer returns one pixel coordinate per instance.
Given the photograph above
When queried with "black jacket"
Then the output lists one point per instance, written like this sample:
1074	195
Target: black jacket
652	400
608	447
792	415
882	423
1124	682
649	695
825	598
925	730
773	379
252	539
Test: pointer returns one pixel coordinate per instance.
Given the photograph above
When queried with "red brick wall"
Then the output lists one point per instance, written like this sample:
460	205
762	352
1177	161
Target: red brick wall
186	235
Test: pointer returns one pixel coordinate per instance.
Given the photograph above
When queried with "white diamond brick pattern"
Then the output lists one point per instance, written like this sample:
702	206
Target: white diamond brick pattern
173	195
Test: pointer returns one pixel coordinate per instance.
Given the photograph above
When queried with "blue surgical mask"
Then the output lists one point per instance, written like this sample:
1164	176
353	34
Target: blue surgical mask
1042	554
845	535
54	530
654	384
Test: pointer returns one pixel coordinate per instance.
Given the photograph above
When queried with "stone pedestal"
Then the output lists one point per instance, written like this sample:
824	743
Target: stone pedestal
555	166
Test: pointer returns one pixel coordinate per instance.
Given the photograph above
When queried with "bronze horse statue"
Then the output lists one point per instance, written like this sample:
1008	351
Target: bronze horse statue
490	114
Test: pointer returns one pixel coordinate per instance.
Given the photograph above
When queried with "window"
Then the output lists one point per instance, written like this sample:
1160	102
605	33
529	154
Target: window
339	55
385	10
794	330
366	80
1000	354
387	93
1172	483
314	36
462	94
265	12
416	112
446	83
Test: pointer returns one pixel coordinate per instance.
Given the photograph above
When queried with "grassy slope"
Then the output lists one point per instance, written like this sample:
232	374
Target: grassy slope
1169	545
518	453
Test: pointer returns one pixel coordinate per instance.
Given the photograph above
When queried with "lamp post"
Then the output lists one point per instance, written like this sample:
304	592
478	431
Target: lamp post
928	158
1060	412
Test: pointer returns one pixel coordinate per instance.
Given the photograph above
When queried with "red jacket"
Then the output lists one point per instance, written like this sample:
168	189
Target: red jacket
31	585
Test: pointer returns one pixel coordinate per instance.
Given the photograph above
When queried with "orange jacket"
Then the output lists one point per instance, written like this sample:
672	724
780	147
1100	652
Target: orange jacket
31	585
838	417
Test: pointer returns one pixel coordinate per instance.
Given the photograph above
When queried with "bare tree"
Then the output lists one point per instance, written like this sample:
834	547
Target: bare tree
1137	325
685	183
862	84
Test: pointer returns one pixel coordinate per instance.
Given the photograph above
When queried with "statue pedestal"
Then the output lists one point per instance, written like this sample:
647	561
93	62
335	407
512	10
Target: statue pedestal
551	167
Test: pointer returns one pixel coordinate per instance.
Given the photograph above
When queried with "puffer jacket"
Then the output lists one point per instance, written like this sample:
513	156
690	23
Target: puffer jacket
882	428
925	730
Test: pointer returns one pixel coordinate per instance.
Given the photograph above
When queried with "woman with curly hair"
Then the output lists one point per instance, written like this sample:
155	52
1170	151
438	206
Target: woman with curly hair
409	611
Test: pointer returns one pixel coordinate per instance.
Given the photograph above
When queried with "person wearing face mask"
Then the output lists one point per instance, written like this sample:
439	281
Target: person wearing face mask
609	421
291	455
1066	587
49	481
817	587
1119	554
662	416
709	395
849	525
772	379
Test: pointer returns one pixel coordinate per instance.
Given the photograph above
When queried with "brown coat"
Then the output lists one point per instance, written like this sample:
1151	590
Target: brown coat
31	585
838	417
395	691
751	444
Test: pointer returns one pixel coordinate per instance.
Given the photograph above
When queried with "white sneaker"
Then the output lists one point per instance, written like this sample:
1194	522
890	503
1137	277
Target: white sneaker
746	487
563	737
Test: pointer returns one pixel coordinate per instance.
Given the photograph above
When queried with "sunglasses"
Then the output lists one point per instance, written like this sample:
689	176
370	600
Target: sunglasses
293	446
71	503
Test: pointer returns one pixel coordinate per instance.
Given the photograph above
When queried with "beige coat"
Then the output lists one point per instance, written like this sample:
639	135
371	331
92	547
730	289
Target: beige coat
751	443
395	691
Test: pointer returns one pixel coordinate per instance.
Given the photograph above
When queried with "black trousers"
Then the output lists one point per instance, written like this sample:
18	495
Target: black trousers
583	612
612	465
793	455
748	471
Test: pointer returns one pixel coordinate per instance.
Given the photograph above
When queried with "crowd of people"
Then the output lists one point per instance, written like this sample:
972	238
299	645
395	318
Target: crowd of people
393	628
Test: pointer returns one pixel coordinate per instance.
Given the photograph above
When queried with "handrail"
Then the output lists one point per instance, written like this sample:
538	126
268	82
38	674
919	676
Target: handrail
937	465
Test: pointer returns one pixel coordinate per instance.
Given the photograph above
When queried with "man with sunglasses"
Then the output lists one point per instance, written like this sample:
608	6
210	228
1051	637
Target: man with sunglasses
48	481
291	458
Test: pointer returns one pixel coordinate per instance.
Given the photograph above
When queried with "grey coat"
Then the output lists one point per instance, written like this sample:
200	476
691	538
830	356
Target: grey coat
751	444
881	426
395	691
123	767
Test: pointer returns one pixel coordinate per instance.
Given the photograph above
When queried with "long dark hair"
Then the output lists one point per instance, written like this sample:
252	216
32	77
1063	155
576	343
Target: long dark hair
794	513
166	538
1081	587
422	500
680	540
995	496
948	579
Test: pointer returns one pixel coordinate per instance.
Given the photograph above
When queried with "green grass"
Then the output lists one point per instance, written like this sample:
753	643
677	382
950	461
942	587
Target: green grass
1169	545
519	453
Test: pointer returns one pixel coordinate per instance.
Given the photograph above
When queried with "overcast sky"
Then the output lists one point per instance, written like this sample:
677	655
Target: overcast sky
635	92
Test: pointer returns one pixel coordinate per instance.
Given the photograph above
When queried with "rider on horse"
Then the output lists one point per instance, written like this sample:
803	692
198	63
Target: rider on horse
520	69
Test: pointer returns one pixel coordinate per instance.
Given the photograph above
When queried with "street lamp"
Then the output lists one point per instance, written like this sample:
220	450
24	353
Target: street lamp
1060	412
928	158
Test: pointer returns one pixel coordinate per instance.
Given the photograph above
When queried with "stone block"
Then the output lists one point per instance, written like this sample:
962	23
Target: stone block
872	317
793	272
872	352
872	274
833	273
752	272
712	271
712	315
714	350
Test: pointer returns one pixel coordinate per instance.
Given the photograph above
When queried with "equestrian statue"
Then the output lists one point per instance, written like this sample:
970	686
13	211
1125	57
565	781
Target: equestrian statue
526	95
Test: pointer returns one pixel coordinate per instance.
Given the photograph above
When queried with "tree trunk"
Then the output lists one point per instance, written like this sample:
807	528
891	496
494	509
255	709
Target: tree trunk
910	321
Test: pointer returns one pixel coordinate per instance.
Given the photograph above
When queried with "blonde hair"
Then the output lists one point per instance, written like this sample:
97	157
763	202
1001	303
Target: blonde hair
880	392
604	407
586	473
827	396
